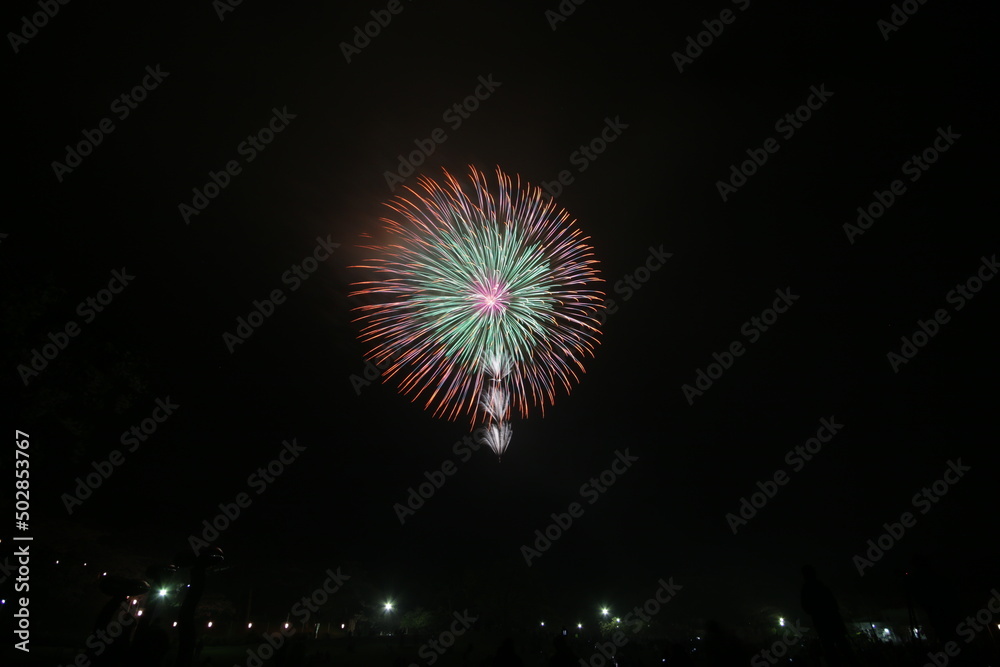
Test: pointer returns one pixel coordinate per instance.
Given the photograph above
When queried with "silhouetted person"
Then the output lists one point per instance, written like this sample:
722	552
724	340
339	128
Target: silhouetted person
819	603
563	657
506	657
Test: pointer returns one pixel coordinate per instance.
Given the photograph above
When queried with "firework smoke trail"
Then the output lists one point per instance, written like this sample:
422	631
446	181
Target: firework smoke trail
485	299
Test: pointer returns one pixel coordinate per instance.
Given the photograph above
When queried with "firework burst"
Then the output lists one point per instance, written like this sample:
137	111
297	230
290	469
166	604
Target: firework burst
484	297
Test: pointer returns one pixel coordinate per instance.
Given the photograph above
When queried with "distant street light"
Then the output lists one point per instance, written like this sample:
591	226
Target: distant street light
604	611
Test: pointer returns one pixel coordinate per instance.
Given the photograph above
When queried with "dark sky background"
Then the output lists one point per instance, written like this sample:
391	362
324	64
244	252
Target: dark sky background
655	186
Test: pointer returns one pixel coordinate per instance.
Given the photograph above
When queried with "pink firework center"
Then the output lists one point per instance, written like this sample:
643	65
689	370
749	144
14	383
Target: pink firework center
491	297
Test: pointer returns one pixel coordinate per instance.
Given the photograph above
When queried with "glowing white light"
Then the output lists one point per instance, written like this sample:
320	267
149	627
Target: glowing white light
249	625
543	624
286	626
604	611
579	625
388	606
163	592
210	624
139	613
174	625
781	622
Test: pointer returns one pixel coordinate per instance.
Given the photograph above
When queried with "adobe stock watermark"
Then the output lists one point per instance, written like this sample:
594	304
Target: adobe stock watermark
258	481
786	126
898	17
248	149
436	478
632	282
563	11
98	641
30	25
371	372
797	459
364	34
753	329
294	277
88	309
223	7
959	296
967	630
122	106
591	491
586	154
640	614
777	651
302	611
454	116
132	438
914	168
923	500
435	648
714	28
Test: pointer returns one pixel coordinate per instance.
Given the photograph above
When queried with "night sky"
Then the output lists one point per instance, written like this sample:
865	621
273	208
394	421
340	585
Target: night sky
884	96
